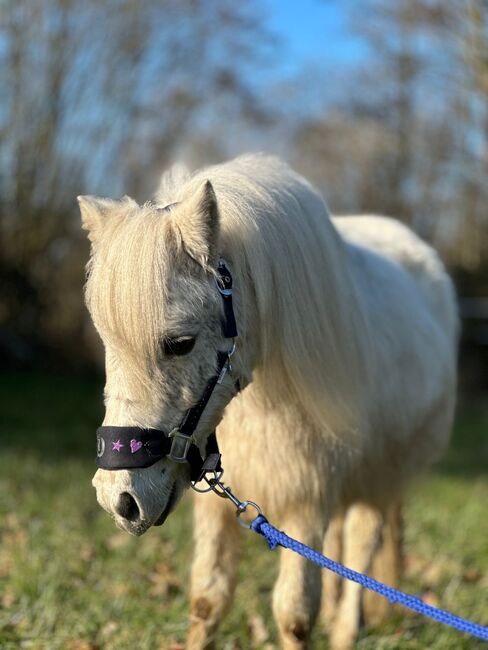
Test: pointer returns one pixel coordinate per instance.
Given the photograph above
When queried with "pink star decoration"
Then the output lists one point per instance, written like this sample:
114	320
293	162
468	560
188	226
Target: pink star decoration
117	446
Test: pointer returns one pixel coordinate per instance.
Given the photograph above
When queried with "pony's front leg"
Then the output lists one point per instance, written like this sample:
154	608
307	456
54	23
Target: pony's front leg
216	543
296	595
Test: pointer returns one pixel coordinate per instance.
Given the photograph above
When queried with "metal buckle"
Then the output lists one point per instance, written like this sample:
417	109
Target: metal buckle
220	489
180	446
227	367
222	290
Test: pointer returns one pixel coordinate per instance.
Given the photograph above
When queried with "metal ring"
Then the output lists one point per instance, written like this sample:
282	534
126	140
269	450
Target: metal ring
211	487
200	490
242	509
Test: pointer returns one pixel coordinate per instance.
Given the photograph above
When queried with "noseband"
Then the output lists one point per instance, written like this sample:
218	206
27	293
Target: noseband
135	447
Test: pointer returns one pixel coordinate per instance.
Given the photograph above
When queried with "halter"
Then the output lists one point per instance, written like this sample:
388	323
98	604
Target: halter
135	447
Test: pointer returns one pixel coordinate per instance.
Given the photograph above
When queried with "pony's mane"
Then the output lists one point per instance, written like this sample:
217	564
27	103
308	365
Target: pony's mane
295	297
294	286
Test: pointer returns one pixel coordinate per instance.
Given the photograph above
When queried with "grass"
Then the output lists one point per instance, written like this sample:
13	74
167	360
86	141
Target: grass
70	580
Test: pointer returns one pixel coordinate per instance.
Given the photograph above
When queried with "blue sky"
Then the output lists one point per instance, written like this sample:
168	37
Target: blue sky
313	31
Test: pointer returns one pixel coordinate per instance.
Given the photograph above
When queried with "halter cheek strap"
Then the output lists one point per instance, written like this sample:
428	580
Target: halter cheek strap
134	447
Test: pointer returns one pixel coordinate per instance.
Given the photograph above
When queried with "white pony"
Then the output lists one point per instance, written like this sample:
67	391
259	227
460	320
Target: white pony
346	353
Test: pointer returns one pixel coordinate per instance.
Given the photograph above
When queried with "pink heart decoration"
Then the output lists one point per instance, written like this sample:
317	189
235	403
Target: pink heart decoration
135	445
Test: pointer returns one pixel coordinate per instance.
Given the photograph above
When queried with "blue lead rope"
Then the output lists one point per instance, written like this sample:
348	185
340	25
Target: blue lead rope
275	538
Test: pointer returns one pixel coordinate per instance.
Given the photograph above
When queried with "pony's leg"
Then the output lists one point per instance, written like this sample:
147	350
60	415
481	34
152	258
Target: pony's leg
296	595
387	565
362	527
331	583
213	575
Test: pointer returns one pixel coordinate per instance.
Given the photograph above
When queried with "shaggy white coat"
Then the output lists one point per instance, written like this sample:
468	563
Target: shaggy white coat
347	348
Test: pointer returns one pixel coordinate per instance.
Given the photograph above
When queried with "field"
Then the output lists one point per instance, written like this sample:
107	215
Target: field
70	580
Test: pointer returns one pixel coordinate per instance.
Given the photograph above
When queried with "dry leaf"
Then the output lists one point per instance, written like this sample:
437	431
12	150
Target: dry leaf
12	521
432	574
430	598
164	581
8	599
87	552
414	565
5	565
118	589
472	575
17	538
109	629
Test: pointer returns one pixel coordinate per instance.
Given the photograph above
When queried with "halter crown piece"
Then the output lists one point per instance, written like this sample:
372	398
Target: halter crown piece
134	447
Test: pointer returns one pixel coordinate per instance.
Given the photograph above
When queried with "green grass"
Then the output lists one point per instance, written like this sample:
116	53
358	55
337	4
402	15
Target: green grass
69	579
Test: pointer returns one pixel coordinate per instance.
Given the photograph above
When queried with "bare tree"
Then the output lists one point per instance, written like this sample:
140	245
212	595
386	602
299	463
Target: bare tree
97	97
409	136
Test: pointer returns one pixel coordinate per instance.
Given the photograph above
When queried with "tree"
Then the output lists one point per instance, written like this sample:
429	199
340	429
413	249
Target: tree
97	97
410	134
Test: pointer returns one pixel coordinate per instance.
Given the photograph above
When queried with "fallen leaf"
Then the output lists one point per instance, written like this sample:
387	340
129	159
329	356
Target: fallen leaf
109	629
472	575
118	589
8	599
432	574
414	565
430	598
164	581
5	565
87	552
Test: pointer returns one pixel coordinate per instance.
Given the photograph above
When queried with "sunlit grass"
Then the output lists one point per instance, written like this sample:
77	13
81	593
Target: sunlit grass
69	579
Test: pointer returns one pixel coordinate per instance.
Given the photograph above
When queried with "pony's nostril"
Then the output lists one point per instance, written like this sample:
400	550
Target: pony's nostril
127	507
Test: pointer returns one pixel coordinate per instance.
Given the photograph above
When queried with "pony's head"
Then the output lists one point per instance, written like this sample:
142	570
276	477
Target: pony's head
151	292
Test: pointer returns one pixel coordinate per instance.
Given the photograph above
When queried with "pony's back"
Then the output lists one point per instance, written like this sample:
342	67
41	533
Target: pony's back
395	241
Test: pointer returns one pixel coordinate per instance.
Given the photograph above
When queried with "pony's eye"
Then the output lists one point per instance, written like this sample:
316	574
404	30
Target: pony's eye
178	347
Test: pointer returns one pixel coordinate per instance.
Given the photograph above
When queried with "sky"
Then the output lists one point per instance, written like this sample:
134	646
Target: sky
312	31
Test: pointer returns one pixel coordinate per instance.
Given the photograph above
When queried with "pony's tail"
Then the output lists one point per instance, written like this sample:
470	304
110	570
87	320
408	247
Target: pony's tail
387	566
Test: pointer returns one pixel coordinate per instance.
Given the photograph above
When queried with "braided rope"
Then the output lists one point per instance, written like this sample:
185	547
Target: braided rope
275	538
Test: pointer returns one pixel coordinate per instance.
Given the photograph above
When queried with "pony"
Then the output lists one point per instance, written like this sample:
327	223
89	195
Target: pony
346	358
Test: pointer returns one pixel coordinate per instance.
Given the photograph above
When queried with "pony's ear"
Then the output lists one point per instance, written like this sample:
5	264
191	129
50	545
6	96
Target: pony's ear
197	220
95	210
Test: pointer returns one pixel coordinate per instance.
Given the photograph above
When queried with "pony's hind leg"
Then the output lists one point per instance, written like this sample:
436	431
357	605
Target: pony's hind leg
362	527
387	565
213	575
331	582
296	595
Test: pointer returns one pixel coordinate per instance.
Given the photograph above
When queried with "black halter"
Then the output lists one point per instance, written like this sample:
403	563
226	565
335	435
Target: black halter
133	447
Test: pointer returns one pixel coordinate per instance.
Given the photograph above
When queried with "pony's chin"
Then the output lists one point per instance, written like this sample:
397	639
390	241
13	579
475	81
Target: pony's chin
134	528
172	501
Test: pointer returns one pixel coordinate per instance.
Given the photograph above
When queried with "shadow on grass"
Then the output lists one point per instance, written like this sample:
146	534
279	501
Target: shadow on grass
467	456
53	416
56	417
